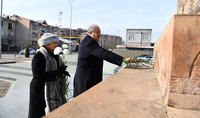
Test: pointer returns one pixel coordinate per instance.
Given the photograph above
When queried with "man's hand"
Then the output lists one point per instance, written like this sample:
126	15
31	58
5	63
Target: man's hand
126	59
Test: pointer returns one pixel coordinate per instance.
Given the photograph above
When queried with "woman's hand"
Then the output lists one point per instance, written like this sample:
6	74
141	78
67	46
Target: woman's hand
62	69
66	73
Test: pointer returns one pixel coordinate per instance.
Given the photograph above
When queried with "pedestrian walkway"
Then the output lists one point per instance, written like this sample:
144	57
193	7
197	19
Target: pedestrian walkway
15	99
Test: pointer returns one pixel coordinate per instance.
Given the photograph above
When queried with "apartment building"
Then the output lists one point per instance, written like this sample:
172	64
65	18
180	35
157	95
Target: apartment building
138	37
188	7
8	33
28	31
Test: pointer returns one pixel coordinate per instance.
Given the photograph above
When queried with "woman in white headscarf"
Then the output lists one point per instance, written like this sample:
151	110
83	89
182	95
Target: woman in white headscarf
46	70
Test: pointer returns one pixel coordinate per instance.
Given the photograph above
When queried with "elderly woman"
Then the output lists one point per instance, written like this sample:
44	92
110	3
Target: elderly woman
46	70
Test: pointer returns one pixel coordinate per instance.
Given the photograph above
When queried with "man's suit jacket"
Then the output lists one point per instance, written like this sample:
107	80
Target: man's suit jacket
90	64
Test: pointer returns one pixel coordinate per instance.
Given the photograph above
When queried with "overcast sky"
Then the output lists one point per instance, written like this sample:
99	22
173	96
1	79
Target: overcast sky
113	16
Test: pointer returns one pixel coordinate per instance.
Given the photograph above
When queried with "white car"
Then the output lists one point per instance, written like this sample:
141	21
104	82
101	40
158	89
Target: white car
31	51
145	57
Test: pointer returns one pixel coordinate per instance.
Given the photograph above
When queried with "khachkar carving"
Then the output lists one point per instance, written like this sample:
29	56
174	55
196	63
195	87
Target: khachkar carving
188	7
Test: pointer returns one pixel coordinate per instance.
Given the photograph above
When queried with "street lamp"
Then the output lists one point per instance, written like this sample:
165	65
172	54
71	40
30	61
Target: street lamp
70	30
1	26
70	2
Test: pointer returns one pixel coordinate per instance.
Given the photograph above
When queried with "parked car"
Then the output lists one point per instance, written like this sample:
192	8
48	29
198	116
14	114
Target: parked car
31	51
145	57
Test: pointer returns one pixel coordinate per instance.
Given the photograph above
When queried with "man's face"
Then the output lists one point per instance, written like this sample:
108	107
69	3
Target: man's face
96	34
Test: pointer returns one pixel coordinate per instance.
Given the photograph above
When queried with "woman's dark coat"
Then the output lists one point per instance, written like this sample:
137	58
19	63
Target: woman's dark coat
37	101
90	64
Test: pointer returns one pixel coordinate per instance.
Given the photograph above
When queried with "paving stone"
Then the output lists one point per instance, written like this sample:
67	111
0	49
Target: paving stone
4	87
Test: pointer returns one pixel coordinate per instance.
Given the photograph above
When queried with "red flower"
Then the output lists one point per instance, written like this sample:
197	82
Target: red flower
131	60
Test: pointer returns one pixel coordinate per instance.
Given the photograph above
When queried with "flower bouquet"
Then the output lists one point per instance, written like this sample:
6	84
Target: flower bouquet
134	62
62	55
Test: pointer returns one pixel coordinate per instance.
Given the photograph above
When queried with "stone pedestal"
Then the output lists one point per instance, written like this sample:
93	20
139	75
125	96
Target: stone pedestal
177	62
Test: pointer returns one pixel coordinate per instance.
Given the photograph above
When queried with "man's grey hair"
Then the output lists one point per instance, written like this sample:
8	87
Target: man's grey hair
91	28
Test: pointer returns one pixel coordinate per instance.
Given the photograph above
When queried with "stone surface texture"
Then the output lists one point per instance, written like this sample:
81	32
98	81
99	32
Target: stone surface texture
130	93
177	62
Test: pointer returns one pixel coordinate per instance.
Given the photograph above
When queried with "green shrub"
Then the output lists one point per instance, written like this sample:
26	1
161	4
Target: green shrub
27	51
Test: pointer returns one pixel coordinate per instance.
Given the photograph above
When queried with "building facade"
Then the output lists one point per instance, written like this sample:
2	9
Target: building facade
138	37
188	7
76	34
28	31
8	33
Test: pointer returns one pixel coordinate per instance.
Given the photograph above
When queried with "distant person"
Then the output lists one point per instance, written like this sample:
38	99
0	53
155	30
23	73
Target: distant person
90	61
45	70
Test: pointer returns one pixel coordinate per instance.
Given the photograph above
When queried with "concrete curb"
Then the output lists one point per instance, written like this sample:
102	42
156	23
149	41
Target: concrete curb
7	62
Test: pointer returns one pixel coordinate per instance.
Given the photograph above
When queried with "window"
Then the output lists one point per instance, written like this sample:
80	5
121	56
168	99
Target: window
146	38
42	29
34	35
10	34
34	43
49	30
34	27
131	37
10	42
1	23
10	26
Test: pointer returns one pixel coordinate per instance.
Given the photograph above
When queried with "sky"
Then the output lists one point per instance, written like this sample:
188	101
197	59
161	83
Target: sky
113	16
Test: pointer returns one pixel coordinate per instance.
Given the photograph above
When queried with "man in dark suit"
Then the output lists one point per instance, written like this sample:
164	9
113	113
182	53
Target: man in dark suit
90	61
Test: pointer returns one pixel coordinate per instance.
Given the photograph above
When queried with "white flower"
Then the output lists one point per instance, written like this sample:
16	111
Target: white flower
57	50
65	51
64	46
